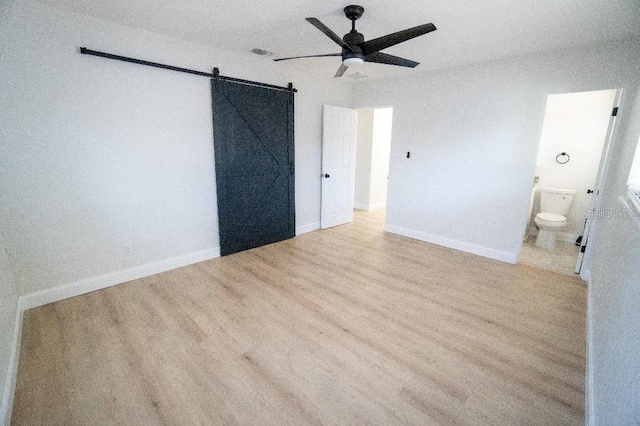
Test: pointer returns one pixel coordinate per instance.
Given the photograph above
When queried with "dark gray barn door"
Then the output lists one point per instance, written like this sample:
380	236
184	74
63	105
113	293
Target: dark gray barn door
254	159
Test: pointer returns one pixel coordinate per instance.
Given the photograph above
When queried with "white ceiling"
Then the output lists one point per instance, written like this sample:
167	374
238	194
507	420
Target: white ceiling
468	31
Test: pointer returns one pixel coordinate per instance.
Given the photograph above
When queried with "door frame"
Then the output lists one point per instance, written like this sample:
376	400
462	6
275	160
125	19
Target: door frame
583	263
585	259
383	204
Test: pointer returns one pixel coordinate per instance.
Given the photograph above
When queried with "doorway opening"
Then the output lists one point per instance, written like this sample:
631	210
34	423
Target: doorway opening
373	149
571	157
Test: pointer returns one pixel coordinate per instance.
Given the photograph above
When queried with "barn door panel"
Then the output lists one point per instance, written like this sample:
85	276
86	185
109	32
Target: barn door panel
254	152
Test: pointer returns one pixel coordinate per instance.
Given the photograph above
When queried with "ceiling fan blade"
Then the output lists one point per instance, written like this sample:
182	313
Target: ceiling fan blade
341	71
308	56
333	36
384	58
389	40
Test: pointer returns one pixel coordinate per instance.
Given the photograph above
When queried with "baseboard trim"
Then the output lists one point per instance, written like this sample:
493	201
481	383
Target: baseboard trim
8	393
454	244
360	206
369	207
589	409
585	274
77	288
377	206
560	236
569	238
307	228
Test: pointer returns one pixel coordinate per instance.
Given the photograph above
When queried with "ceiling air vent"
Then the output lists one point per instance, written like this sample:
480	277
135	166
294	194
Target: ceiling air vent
261	52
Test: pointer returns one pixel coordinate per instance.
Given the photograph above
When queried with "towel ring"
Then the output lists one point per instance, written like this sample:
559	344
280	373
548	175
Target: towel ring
563	154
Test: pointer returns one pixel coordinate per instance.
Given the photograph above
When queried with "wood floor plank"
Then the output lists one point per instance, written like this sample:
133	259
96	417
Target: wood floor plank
349	325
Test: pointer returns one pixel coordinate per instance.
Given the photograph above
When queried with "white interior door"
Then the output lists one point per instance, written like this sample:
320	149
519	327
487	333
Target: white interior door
596	201
339	132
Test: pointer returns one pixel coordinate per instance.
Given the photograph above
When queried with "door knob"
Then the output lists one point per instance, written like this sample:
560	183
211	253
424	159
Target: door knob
326	175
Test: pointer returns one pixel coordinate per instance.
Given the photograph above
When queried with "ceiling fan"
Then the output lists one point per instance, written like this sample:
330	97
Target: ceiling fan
355	50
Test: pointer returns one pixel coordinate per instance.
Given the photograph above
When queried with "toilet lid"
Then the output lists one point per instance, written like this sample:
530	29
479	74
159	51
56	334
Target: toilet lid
551	217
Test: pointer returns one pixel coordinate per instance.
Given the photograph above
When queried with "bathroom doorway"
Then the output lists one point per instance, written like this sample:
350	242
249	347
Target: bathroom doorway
573	147
373	149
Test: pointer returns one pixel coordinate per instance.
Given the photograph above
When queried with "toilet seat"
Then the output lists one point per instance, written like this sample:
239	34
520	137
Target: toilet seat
551	220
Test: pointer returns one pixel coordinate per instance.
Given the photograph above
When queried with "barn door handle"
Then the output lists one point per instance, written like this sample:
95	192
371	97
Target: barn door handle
326	175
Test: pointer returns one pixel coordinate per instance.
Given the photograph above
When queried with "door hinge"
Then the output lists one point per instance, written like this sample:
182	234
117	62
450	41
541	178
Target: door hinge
583	249
615	112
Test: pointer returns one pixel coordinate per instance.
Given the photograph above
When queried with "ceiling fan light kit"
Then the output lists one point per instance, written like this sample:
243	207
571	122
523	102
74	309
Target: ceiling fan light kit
352	62
356	51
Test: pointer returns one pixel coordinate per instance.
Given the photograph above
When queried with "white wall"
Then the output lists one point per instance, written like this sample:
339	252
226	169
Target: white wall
98	155
614	296
364	148
381	146
575	123
8	306
473	134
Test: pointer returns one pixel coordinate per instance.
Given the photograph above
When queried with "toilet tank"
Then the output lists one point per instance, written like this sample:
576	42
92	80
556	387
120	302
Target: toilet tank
555	200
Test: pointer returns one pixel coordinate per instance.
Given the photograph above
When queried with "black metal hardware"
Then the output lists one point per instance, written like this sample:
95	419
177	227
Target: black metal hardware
589	191
408	154
583	249
289	88
563	154
615	112
86	51
216	72
256	83
326	175
353	12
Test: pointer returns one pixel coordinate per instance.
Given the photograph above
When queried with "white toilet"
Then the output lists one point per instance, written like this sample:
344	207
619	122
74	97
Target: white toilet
554	208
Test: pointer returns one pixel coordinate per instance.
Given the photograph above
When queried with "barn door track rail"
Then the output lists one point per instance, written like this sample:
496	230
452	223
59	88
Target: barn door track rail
215	74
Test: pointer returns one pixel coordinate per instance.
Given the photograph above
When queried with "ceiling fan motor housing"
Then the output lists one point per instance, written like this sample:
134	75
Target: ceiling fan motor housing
353	39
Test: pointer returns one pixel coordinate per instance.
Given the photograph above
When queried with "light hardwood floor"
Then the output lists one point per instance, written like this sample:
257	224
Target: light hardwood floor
349	325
